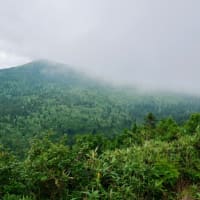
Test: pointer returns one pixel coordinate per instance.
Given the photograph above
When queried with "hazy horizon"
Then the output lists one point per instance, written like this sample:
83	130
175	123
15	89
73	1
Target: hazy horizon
148	44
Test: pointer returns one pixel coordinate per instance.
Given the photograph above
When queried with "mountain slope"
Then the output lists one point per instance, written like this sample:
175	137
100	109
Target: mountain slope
42	96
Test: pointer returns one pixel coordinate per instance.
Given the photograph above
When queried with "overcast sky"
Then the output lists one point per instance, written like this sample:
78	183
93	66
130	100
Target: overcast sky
150	43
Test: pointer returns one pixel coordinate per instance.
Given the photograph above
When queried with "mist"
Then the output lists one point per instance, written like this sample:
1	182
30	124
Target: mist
149	44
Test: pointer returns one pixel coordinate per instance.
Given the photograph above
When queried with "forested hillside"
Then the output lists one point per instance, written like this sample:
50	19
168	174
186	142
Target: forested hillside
43	96
99	100
64	135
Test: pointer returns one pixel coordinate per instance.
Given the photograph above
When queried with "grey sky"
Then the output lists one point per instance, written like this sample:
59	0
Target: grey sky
152	44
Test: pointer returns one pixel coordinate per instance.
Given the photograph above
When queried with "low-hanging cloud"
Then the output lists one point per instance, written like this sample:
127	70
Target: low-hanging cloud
153	44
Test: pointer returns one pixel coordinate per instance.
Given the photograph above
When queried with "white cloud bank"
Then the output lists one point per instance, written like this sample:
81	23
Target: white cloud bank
153	44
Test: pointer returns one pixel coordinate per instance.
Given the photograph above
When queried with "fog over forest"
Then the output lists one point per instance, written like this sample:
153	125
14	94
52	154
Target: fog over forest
151	44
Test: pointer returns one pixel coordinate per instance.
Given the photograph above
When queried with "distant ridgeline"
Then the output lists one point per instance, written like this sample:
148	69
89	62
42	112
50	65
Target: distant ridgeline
44	96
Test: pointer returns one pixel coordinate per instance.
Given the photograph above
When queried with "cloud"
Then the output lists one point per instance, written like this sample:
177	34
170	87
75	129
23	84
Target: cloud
153	44
8	60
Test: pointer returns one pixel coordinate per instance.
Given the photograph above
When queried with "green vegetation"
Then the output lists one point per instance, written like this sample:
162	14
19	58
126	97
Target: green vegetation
44	97
66	136
149	162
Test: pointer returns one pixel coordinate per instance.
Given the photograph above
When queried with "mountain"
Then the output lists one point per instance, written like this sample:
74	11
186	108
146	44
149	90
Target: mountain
44	96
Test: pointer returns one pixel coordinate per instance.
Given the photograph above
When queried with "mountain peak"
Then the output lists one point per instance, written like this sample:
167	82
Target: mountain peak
41	62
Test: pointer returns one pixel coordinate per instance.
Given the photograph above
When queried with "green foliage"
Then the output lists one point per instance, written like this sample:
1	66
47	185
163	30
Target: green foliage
43	96
150	120
168	129
48	169
193	123
11	173
98	167
154	158
16	197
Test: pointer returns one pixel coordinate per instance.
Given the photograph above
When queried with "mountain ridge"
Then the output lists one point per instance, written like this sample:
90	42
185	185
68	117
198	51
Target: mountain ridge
35	100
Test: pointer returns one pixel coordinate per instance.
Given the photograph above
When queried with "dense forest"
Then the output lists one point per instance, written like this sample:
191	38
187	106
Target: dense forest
65	135
44	96
153	160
